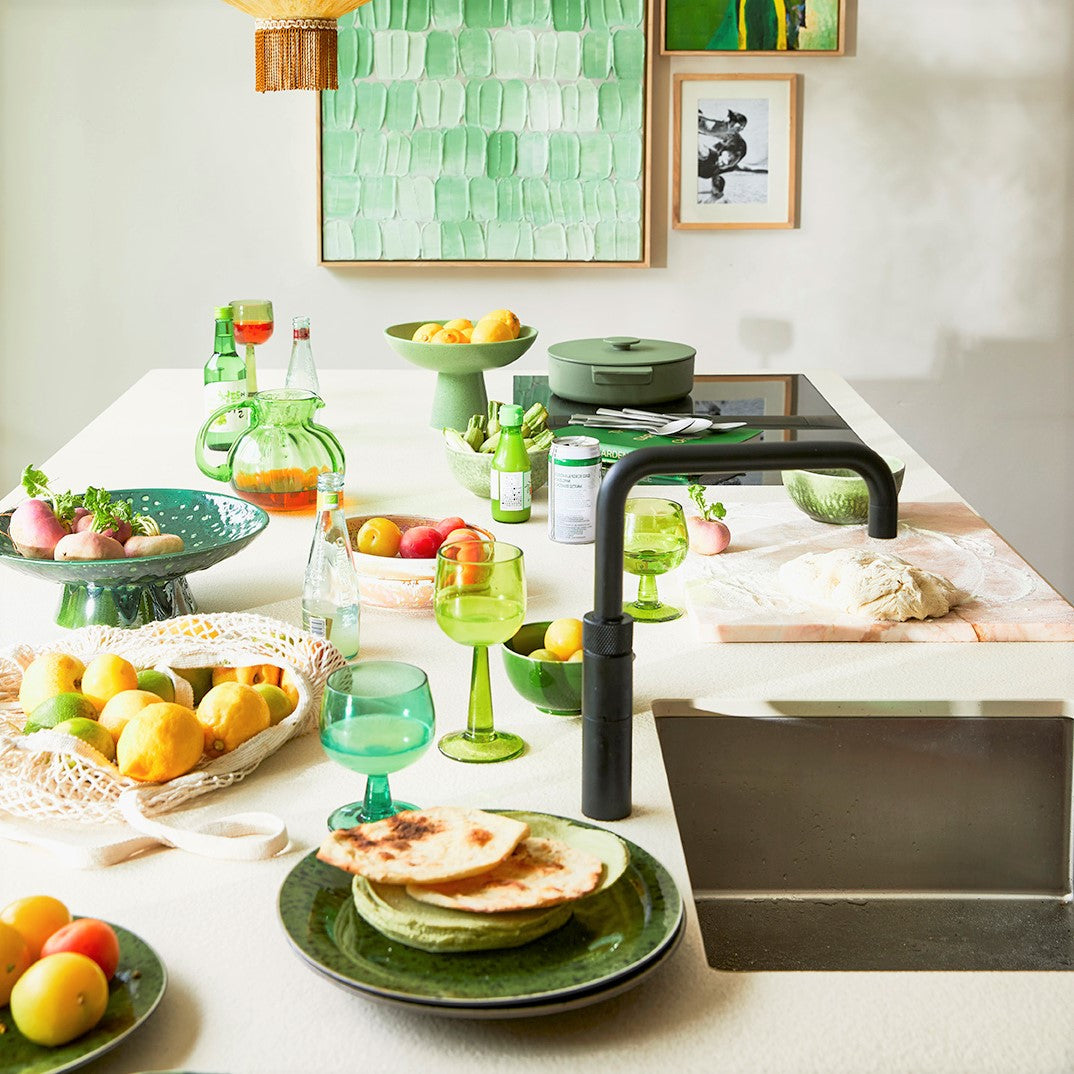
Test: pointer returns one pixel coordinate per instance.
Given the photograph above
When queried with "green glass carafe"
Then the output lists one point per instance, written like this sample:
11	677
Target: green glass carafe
275	462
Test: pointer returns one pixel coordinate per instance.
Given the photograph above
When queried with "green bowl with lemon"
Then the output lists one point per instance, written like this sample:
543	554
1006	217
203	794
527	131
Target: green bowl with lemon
553	686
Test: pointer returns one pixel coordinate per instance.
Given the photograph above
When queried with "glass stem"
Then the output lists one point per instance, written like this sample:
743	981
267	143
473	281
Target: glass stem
647	597
479	716
378	799
251	370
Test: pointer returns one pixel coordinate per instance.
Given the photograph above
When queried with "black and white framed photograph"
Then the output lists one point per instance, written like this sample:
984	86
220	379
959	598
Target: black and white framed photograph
743	128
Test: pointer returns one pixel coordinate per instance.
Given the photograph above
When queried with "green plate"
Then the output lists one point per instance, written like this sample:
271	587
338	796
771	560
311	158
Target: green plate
613	941
134	993
130	592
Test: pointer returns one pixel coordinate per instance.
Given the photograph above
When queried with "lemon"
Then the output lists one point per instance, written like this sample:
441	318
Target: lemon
576	657
50	674
161	742
107	675
564	637
289	687
279	704
426	332
449	335
15	960
92	732
508	318
229	714
118	710
248	676
54	710
461	323
488	330
544	654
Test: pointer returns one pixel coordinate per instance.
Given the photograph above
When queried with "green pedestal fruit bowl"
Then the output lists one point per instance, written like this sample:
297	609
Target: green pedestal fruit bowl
460	368
131	592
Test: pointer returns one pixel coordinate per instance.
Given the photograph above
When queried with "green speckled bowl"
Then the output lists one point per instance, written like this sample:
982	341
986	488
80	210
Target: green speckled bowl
471	469
838	497
131	592
553	686
460	367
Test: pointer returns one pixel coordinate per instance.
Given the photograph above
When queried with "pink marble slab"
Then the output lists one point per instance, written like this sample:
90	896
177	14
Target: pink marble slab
737	596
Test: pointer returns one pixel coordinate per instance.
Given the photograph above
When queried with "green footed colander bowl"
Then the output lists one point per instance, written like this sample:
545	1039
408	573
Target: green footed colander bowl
131	592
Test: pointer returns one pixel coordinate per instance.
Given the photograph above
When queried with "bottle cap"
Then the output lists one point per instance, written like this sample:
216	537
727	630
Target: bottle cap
223	313
300	322
510	414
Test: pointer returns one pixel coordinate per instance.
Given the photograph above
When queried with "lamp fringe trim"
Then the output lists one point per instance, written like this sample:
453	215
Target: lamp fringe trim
295	54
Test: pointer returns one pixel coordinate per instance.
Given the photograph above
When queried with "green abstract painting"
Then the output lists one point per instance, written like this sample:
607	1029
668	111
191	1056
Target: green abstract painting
754	26
488	131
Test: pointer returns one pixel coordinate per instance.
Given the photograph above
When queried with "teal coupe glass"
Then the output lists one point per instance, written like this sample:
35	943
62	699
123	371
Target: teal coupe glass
376	718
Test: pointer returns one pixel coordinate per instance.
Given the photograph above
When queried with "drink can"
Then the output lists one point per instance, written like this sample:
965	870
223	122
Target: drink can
573	483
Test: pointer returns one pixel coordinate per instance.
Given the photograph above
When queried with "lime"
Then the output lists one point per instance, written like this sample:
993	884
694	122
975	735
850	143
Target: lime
200	679
54	710
91	732
279	704
156	682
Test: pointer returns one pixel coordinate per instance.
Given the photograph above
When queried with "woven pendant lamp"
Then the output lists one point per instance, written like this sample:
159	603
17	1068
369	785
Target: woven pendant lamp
295	42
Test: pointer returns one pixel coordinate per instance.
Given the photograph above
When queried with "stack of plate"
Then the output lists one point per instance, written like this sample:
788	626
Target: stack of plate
613	942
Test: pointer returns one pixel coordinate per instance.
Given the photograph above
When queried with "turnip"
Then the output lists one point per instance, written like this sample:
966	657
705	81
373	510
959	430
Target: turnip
119	531
87	545
708	535
35	530
159	545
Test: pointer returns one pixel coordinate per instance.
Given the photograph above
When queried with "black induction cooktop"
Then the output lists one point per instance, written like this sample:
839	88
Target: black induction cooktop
782	407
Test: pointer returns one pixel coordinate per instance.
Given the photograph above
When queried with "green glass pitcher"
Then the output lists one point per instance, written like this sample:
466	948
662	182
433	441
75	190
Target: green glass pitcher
275	462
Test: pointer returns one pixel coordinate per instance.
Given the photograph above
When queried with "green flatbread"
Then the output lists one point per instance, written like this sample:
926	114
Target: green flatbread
393	913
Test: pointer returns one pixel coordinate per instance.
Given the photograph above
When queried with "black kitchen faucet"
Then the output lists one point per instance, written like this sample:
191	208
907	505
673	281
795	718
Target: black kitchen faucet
607	634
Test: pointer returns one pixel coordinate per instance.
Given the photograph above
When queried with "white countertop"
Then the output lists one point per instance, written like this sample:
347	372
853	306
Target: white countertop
239	999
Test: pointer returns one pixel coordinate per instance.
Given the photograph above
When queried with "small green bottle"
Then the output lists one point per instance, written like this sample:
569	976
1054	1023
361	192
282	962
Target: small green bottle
509	475
225	382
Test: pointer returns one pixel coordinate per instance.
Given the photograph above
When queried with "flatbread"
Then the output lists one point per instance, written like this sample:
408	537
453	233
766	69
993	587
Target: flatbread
538	873
393	913
424	846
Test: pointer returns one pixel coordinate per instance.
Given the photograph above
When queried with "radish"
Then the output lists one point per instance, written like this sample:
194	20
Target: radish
708	535
35	530
87	545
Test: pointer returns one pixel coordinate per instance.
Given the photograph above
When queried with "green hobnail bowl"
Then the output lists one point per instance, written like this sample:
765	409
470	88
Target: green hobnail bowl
838	497
553	686
131	592
471	469
460	367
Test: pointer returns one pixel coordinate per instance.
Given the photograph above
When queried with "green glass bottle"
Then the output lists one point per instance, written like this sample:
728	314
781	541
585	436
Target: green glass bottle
509	476
225	382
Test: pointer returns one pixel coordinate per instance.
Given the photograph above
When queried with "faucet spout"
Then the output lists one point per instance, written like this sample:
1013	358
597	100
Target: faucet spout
607	634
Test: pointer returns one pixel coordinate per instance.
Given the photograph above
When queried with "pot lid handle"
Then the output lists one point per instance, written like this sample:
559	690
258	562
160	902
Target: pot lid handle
621	343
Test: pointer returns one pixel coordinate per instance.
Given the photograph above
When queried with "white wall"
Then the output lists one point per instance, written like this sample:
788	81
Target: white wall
143	181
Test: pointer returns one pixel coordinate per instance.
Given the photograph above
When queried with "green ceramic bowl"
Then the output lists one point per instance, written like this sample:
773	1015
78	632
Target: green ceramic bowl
460	383
838	497
553	686
471	469
131	592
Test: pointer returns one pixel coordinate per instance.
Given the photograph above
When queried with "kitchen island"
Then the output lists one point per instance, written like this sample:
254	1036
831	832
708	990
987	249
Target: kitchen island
239	1000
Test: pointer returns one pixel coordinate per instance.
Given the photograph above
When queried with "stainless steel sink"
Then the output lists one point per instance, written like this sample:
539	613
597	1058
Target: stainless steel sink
836	836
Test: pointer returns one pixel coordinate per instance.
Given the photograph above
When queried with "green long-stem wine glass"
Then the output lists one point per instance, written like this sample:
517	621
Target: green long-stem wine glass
655	541
480	600
376	717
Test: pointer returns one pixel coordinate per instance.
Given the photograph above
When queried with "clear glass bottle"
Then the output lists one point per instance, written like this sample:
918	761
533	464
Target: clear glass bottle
510	481
330	605
301	372
224	381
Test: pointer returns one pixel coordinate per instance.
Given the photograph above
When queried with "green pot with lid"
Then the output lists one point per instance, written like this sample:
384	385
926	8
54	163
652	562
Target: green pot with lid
620	371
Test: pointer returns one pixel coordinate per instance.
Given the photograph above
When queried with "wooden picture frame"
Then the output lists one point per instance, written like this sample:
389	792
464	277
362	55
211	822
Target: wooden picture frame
689	27
744	129
573	168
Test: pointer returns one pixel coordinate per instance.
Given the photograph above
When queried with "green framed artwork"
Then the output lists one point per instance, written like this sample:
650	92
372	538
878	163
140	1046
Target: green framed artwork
488	132
760	27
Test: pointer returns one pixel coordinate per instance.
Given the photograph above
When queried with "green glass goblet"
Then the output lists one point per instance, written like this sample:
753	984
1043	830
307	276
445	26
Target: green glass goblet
655	541
376	718
480	600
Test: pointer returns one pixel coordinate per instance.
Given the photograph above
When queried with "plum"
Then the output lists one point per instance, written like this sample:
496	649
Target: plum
420	542
35	530
87	545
